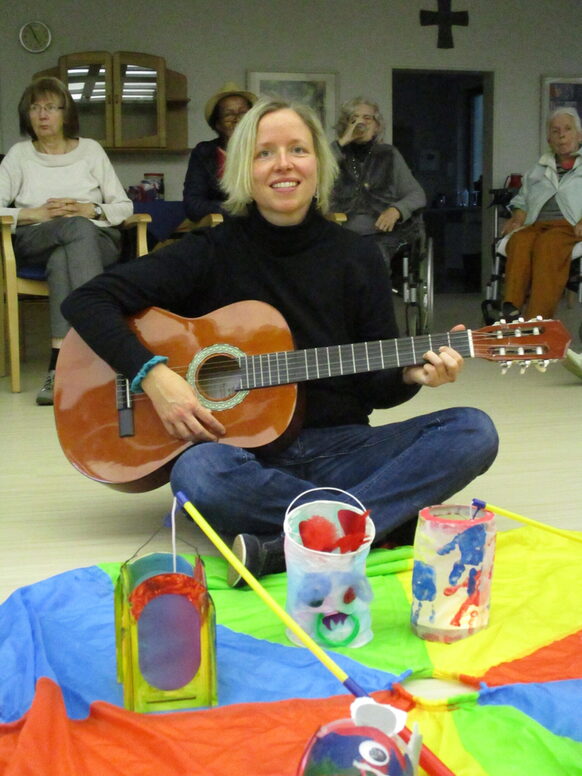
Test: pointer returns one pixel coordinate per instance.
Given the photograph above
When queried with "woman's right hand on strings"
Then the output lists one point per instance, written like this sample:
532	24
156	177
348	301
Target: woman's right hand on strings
179	409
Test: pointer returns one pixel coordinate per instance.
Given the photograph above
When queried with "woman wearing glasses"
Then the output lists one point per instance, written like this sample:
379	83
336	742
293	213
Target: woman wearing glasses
202	192
375	187
65	198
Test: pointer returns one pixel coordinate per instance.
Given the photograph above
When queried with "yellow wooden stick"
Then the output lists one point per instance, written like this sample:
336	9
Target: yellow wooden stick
527	520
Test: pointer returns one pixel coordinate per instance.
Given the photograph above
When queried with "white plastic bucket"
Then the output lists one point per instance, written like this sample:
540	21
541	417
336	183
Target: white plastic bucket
328	593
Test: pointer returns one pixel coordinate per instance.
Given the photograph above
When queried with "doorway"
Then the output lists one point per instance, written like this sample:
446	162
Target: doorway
442	125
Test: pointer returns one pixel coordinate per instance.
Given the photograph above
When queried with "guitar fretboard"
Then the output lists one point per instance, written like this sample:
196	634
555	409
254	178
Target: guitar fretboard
296	366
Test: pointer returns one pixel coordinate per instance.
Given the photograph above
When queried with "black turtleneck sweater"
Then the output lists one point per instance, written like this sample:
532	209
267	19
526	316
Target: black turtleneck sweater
331	287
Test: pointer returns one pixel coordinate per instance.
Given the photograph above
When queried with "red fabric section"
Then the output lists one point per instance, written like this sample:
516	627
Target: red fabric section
560	660
266	739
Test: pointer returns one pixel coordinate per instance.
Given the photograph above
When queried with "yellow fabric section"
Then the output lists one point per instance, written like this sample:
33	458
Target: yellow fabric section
439	733
535	600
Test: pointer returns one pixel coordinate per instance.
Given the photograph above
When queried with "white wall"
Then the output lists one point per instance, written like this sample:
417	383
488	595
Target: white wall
213	41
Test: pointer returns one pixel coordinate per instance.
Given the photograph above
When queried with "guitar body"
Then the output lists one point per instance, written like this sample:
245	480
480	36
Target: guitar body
241	363
86	409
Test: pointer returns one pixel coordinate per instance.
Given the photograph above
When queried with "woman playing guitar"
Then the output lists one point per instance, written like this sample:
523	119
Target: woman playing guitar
331	289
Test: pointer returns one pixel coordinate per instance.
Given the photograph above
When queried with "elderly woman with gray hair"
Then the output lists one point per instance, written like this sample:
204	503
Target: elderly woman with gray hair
546	222
375	187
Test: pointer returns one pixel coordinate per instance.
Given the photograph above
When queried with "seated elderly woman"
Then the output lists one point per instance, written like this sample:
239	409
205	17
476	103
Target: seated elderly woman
202	192
547	214
66	200
375	187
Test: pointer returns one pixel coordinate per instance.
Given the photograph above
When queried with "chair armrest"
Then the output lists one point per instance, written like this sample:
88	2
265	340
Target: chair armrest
6	247
212	219
139	221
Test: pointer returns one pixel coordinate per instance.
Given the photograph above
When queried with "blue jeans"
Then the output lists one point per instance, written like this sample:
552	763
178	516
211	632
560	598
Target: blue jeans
394	470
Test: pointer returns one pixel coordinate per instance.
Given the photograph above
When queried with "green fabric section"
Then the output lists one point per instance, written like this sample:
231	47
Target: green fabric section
526	612
521	745
394	647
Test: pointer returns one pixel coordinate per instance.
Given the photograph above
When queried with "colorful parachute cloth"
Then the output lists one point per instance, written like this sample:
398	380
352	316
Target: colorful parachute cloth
61	709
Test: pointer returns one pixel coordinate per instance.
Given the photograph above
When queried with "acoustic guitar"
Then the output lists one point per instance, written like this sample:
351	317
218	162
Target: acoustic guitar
241	362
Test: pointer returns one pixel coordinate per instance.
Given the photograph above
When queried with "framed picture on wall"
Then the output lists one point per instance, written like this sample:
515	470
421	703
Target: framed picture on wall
558	92
315	89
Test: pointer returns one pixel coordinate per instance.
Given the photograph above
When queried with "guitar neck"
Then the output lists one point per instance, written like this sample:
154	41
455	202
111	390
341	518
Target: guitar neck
296	366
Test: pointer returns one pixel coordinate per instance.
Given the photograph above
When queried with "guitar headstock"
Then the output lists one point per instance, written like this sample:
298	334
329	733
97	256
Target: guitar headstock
537	340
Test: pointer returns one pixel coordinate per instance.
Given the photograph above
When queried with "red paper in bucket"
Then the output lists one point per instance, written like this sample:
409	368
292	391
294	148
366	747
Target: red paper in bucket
318	533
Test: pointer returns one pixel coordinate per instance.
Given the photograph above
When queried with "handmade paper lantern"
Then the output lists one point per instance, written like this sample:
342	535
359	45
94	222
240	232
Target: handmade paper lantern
367	743
328	594
165	634
454	550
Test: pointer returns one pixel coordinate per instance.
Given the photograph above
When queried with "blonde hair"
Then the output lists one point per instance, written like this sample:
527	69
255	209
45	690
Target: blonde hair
237	180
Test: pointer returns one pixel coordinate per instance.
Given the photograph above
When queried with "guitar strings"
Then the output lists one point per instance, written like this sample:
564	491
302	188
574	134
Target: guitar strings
405	352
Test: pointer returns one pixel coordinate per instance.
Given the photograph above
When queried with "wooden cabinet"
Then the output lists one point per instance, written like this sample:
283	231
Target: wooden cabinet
127	100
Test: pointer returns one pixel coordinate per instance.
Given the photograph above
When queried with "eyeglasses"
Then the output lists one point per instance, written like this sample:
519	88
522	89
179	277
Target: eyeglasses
49	107
230	115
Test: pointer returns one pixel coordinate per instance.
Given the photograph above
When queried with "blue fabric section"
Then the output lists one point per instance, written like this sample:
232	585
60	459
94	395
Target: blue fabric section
555	705
275	672
63	628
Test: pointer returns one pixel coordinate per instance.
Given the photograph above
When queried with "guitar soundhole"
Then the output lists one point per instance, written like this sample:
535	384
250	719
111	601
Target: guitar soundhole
218	378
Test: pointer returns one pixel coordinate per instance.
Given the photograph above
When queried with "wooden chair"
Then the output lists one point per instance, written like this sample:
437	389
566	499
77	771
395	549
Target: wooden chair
212	219
15	283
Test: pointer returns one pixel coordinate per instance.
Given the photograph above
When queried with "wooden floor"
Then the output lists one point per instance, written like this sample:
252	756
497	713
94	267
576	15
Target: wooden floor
53	519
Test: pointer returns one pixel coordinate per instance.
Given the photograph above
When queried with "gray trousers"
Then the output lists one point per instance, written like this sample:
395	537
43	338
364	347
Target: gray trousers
72	251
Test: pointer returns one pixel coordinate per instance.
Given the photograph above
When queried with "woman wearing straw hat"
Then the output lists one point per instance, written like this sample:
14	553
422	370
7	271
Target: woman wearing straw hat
223	111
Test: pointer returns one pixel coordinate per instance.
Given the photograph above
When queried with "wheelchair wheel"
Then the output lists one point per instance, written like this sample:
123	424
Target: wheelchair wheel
419	310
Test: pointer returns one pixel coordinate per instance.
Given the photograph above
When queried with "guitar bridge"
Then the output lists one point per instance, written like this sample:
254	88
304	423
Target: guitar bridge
124	406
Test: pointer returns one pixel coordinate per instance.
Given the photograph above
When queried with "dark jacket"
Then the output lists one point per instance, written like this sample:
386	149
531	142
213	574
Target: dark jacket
385	180
202	192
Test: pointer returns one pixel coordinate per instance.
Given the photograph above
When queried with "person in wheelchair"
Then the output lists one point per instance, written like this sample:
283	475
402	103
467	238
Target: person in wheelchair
375	187
545	223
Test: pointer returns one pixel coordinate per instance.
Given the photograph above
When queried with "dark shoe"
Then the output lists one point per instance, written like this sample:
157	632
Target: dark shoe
259	556
509	312
403	536
44	397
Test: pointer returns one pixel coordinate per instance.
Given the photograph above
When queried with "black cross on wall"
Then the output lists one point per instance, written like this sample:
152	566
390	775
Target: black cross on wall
445	18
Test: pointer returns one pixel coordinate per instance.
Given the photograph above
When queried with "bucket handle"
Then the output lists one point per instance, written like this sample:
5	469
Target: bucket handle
312	490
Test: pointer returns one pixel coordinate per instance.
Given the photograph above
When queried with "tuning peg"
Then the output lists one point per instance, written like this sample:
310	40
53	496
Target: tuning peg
505	366
542	366
523	365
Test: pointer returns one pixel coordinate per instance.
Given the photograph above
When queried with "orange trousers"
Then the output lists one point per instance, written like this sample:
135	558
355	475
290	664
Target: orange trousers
538	264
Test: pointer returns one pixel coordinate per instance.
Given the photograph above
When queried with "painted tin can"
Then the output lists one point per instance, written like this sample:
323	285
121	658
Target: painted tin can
452	573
